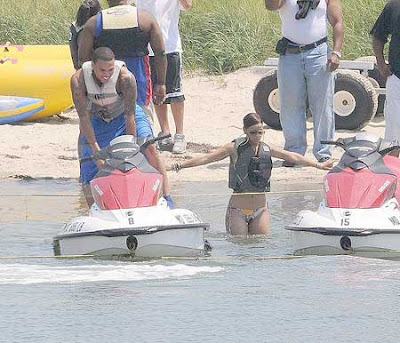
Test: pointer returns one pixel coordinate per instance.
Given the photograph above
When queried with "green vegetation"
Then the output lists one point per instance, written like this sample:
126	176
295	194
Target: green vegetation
218	36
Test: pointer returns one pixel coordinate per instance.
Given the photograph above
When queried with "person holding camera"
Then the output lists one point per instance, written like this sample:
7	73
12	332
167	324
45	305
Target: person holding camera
305	68
249	176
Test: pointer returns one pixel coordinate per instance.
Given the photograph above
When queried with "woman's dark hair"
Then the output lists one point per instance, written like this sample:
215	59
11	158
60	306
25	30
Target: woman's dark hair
88	9
251	119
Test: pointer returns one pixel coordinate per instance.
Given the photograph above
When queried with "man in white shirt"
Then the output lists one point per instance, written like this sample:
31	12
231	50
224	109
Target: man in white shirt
388	24
167	14
305	69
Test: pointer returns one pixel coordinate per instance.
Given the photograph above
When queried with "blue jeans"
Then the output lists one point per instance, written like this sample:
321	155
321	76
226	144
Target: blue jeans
301	76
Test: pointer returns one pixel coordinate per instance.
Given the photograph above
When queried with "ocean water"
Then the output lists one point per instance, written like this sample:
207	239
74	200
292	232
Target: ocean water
247	290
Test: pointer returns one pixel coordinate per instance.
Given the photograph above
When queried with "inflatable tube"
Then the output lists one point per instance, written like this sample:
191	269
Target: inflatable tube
36	52
13	109
42	72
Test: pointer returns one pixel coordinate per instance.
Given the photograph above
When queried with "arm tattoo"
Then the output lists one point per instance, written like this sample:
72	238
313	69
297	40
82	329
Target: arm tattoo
78	90
127	85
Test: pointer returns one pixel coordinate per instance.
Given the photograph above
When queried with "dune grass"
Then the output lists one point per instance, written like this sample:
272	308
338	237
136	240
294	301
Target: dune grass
218	36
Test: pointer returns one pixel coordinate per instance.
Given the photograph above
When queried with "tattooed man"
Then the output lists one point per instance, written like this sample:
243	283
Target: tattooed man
104	93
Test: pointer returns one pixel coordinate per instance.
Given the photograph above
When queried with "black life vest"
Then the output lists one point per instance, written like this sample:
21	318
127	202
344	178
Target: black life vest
74	32
249	172
121	33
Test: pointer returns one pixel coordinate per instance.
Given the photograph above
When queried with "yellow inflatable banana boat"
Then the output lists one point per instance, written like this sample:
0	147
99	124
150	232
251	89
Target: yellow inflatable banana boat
37	71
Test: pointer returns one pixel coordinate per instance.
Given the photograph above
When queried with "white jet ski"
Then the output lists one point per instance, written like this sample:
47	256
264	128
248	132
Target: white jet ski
360	211
129	216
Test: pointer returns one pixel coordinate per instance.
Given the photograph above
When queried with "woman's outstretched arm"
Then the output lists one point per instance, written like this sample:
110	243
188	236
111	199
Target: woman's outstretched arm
297	158
217	155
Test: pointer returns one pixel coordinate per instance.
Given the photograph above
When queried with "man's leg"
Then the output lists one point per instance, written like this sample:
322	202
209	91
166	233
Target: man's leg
392	108
178	109
143	129
87	192
105	132
292	95
162	112
149	111
88	169
176	99
85	187
320	88
162	116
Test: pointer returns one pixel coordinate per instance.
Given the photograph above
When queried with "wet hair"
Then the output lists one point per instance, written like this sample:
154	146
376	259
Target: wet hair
86	10
251	119
103	53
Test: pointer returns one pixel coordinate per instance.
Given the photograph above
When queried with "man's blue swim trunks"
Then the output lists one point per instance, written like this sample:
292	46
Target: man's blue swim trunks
105	133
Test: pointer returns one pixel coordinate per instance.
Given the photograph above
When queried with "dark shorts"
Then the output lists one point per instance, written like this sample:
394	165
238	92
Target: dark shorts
173	78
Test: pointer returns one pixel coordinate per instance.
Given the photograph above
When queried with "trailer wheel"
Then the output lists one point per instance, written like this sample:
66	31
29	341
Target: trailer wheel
379	81
355	100
266	100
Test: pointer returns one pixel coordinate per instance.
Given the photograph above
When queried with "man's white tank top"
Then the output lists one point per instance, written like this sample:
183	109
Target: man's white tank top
304	31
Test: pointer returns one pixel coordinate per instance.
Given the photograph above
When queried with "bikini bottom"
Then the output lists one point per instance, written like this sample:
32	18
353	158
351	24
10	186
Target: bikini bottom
246	214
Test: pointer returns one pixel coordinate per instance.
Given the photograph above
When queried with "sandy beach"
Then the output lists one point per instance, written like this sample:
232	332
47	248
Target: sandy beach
214	109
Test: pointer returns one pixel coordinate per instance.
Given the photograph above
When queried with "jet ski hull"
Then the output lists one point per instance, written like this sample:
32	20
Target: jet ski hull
151	232
340	231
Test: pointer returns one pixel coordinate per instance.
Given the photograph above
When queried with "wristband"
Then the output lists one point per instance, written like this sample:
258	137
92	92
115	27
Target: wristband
337	53
176	166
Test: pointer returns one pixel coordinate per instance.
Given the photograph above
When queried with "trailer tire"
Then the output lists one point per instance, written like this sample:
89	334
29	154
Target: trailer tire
355	100
266	100
381	81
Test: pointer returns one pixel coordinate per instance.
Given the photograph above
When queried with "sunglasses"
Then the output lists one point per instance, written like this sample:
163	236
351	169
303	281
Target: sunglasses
255	132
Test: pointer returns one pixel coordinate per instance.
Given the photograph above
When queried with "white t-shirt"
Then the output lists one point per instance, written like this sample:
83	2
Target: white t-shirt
304	31
167	14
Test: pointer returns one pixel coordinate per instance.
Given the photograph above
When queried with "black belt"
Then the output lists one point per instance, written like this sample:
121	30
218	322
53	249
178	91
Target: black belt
293	48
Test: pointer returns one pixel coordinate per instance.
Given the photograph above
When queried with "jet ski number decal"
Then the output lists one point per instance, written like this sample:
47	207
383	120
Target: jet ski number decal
73	227
297	220
395	221
345	221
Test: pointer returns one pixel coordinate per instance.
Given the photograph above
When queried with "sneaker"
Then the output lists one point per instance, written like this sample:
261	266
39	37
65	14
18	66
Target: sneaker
179	144
165	144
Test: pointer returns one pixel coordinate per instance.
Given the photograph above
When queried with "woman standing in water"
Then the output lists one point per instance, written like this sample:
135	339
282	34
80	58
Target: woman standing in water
249	174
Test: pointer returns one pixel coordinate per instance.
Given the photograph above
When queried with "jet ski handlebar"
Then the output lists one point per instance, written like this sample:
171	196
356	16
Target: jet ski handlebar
383	147
339	142
98	155
153	140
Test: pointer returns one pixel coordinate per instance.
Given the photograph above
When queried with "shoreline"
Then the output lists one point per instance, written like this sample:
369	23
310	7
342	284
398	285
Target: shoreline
214	108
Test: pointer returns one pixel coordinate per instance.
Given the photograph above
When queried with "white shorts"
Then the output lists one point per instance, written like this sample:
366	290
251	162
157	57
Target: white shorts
392	108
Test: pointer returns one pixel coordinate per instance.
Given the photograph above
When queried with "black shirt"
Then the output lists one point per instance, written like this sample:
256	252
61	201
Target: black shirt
387	24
